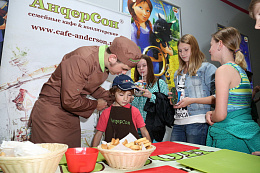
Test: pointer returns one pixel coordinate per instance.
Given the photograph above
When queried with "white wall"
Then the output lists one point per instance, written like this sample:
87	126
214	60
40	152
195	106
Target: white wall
200	18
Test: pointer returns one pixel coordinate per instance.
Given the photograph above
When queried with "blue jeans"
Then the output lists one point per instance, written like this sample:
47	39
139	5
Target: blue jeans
192	133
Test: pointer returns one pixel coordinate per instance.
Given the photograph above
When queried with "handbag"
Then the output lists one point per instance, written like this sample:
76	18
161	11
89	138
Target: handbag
159	115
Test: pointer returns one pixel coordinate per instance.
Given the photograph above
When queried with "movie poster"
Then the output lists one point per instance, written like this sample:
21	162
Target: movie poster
3	17
156	29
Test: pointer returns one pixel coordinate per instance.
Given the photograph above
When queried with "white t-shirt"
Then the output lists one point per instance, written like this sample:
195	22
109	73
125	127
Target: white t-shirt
182	116
181	112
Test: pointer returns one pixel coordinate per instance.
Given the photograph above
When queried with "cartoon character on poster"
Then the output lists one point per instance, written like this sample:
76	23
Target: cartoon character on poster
156	30
140	11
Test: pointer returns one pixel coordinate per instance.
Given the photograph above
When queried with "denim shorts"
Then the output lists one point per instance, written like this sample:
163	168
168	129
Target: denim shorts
192	133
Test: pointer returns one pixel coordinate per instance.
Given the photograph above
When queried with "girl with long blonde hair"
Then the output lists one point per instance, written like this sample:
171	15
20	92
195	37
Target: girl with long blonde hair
195	85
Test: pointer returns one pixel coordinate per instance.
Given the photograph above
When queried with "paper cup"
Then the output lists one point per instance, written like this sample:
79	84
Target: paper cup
140	85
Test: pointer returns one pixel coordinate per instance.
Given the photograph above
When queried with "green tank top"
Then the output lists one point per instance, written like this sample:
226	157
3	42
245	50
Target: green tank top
240	97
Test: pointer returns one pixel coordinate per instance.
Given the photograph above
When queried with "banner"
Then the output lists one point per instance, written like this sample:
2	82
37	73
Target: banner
3	15
38	34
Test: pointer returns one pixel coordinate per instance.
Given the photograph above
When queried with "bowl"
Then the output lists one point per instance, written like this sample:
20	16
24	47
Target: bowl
40	163
81	159
126	159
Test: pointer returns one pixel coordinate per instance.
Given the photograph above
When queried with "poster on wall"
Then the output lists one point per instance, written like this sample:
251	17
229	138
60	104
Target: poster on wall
38	34
3	17
244	48
156	29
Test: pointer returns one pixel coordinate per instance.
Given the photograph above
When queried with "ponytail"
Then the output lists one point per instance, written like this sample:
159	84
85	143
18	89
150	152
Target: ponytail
240	59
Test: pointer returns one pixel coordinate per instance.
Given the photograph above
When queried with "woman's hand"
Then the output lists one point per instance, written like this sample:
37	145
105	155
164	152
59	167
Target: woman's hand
208	118
183	102
146	93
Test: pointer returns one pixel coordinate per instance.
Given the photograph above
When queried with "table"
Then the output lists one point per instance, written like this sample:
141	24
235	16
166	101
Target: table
156	161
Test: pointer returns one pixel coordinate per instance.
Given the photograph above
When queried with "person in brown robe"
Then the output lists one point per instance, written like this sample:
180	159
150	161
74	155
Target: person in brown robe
55	115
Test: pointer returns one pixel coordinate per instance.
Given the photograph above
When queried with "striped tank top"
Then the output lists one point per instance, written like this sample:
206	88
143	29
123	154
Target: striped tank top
240	96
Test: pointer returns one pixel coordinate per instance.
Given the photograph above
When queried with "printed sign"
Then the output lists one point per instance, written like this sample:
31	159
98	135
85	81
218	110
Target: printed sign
38	34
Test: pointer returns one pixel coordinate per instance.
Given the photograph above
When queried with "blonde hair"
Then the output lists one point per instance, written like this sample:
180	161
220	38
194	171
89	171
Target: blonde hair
231	38
251	8
196	57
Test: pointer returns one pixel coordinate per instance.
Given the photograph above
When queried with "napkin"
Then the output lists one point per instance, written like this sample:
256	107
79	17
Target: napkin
168	147
26	148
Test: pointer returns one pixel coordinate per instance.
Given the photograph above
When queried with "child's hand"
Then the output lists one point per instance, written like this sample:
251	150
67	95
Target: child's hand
146	93
183	102
208	118
257	153
170	97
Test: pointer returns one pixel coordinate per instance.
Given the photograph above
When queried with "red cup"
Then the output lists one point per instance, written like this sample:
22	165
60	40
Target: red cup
81	159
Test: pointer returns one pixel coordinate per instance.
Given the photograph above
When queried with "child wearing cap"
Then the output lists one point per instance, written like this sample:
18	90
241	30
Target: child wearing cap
120	118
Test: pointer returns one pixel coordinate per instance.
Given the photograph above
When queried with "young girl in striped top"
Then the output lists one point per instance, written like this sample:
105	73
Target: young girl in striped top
231	123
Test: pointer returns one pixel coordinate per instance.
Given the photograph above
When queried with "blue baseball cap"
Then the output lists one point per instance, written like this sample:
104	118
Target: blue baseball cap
124	82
